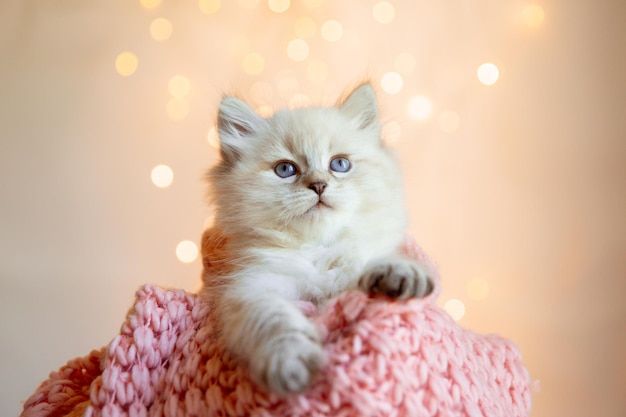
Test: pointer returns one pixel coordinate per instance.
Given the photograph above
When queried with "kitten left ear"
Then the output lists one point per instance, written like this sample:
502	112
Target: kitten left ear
236	123
361	104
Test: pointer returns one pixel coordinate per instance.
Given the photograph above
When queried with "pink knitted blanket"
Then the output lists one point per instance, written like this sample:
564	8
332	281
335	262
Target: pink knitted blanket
383	359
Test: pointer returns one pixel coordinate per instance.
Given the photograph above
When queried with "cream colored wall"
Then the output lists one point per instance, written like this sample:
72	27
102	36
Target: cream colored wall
527	193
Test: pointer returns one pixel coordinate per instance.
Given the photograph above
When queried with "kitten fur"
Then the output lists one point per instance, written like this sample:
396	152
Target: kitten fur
307	236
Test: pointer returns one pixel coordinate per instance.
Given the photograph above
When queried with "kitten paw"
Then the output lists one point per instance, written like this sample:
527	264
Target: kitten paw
290	362
397	278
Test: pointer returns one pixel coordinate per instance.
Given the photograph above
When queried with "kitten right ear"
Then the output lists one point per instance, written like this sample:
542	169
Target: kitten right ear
236	123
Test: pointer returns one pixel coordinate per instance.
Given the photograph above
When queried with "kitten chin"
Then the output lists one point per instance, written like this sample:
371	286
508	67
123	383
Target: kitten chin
308	203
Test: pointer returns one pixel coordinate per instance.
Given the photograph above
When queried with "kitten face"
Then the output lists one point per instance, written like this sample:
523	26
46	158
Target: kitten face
310	171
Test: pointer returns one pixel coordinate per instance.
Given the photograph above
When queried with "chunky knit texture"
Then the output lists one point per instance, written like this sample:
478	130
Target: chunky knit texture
384	358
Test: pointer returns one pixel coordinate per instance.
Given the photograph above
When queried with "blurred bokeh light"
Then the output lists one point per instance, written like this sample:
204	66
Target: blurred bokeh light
162	176
161	29
126	63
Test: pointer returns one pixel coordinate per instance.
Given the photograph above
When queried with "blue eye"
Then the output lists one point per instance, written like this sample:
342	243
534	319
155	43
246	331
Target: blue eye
285	169
340	164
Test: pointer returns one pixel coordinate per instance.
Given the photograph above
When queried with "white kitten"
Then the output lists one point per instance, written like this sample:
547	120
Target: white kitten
309	204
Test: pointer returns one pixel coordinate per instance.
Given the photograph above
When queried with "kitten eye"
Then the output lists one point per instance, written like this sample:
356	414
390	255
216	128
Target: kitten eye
340	164
285	169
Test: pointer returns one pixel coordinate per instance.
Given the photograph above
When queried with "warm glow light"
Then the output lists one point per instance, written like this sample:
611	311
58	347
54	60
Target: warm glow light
304	27
177	109
213	138
179	86
278	6
239	46
488	73
533	15
317	72
160	29
162	176
391	132
420	108
209	6
149	4
299	100
186	251
126	63
248	4
455	308
404	63
298	50
477	289
391	82
253	64
313	4
332	30
261	92
265	111
383	12
449	121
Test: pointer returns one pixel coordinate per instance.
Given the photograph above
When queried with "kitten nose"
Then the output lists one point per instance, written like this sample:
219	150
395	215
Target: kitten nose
318	187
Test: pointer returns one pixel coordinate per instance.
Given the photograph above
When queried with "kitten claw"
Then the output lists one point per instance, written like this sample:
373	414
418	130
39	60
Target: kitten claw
398	279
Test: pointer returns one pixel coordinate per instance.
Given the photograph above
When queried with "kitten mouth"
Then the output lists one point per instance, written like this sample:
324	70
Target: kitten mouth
321	203
319	206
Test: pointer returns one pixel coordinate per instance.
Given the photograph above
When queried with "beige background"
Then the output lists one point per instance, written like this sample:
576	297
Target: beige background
527	193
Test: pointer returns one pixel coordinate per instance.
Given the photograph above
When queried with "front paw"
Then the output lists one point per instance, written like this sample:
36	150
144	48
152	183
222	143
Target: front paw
397	278
289	362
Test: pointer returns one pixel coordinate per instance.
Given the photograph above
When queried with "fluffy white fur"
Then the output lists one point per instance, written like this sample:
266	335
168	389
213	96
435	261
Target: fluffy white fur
288	242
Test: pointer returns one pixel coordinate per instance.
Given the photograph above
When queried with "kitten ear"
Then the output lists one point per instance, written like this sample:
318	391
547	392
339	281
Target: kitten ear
236	123
361	104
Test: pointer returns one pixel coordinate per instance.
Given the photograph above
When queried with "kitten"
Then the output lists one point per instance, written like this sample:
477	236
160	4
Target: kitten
308	203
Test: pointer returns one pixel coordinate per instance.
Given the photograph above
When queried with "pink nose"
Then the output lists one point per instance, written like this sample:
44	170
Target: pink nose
318	187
